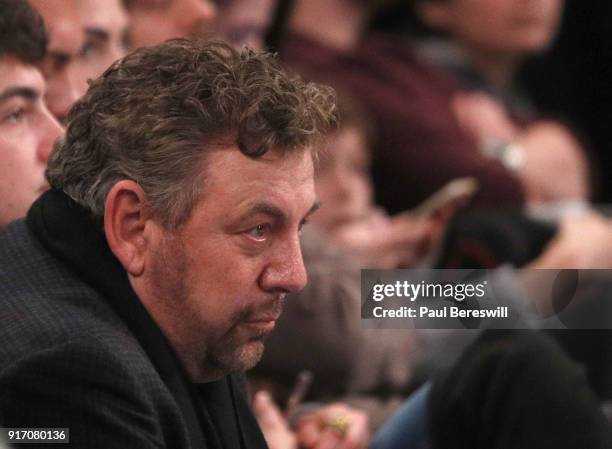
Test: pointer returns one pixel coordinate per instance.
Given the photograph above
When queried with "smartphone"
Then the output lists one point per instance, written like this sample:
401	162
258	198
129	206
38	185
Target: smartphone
455	191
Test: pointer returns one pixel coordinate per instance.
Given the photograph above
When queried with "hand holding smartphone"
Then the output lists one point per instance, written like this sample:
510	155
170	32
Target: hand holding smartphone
455	193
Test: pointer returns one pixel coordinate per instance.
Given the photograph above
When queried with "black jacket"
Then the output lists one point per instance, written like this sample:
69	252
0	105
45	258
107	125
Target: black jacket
78	349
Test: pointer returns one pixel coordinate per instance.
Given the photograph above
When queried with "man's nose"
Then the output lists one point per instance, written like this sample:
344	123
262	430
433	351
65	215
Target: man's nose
64	90
52	130
285	272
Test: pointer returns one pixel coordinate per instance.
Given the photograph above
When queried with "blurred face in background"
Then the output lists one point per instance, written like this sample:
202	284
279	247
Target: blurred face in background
85	37
342	180
60	67
27	133
155	21
106	33
505	27
244	22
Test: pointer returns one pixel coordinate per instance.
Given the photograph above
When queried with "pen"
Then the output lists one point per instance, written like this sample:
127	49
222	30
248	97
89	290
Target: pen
302	384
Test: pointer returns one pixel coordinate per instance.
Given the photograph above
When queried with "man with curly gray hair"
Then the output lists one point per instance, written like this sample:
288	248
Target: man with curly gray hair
150	274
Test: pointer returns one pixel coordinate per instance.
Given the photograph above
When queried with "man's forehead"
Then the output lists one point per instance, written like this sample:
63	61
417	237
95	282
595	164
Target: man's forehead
275	178
275	165
15	74
107	14
64	21
58	12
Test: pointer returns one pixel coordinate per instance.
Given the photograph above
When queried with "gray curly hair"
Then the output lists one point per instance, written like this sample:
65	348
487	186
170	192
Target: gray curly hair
153	115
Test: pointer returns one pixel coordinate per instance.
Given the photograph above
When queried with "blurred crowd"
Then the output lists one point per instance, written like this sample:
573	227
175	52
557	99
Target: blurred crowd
508	96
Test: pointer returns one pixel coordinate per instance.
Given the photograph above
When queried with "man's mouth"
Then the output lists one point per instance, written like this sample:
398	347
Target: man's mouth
264	323
261	327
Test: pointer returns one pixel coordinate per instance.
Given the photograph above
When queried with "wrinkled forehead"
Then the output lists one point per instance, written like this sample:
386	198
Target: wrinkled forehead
227	172
231	163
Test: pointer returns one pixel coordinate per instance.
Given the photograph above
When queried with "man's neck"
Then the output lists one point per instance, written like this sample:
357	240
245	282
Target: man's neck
498	69
335	23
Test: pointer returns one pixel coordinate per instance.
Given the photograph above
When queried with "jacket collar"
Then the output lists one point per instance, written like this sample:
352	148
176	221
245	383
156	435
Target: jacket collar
68	232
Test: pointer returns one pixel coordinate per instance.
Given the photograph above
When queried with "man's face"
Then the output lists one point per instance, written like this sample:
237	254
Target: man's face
511	27
343	181
27	133
155	21
218	283
85	37
106	29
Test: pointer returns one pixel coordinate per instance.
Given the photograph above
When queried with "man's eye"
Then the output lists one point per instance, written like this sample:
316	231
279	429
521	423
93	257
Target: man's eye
15	116
259	232
89	49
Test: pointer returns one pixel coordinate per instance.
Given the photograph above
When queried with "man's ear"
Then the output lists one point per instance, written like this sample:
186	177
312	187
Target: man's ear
126	216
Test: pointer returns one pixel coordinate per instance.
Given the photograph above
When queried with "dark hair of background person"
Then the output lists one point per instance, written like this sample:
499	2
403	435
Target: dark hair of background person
153	114
22	31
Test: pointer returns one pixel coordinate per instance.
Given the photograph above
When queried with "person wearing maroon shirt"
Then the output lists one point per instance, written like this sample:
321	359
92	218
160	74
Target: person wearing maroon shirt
428	129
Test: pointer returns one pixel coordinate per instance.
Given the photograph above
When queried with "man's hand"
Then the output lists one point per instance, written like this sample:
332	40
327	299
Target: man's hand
555	165
336	426
582	242
483	117
272	422
379	241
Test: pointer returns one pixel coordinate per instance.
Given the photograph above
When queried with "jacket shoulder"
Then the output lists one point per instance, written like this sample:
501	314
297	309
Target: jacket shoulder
67	360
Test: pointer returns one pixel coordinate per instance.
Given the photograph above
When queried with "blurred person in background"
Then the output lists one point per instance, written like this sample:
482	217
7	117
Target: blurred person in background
427	130
27	128
85	37
373	369
408	102
484	56
245	22
154	21
576	65
349	218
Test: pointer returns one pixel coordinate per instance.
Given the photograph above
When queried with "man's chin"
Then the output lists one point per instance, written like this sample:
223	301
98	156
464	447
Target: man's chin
251	354
241	359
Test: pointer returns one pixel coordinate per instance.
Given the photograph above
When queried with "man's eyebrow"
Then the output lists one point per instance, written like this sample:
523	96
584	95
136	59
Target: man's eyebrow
59	56
266	208
97	33
18	91
275	212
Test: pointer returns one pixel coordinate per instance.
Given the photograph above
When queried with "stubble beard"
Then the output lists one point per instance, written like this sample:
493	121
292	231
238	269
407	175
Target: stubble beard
215	356
230	353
